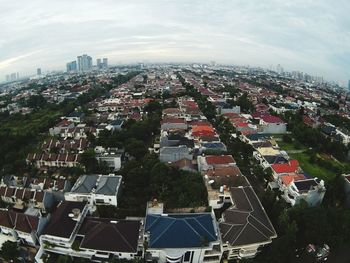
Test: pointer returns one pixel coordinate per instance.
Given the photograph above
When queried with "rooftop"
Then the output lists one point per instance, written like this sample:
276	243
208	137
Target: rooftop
246	221
60	224
291	167
219	159
19	221
180	230
110	235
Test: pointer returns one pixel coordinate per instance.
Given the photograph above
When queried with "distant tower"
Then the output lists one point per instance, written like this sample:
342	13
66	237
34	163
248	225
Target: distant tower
84	63
98	63
38	71
105	63
349	85
72	66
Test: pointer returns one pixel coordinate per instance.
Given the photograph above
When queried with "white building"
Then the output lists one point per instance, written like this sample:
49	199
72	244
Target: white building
311	190
96	189
21	227
71	232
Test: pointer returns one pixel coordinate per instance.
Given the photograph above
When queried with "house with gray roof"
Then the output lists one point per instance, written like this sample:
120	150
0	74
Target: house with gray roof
175	153
96	189
245	226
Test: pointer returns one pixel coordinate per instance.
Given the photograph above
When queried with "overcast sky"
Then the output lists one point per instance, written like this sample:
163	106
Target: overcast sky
306	35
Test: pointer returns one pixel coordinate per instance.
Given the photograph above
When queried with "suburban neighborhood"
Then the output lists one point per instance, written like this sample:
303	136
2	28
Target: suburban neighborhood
174	163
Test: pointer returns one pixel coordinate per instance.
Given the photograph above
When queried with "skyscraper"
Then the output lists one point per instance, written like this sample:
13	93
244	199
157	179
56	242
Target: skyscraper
38	71
84	63
72	66
14	76
102	64
98	63
105	63
349	85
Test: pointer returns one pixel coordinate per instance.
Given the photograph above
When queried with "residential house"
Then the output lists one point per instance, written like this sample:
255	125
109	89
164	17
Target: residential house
25	197
60	232
280	169
172	154
21	227
76	117
46	160
296	189
214	161
115	125
62	125
96	189
173	124
245	226
112	157
271	124
181	237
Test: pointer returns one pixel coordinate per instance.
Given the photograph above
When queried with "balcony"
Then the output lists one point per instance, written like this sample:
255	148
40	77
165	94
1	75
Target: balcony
211	259
216	250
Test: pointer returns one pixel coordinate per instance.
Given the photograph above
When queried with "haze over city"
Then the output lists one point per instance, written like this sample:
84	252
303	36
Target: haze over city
310	36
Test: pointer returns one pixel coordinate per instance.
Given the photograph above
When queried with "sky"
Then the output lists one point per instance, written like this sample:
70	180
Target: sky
306	35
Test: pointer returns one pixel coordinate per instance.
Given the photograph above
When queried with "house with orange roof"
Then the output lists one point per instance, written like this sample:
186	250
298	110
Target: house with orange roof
280	169
297	187
214	161
203	130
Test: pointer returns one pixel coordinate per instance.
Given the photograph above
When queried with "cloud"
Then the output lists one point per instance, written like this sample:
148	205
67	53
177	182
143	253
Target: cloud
305	35
13	60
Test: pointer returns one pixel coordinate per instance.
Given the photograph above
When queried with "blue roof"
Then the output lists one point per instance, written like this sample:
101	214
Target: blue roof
117	122
75	114
180	231
213	145
257	136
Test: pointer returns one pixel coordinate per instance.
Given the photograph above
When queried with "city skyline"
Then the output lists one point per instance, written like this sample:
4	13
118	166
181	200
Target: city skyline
292	34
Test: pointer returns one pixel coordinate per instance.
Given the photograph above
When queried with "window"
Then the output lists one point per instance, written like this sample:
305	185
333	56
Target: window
188	256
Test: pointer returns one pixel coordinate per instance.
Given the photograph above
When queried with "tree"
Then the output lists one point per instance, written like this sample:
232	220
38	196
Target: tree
136	148
153	107
9	250
335	194
36	101
89	161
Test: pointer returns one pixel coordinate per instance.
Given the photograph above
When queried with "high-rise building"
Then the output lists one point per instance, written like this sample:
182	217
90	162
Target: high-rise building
105	63
102	63
14	76
99	63
349	85
38	71
84	63
72	66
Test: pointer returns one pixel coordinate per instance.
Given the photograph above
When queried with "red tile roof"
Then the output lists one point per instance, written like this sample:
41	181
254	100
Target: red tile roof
18	221
288	179
291	167
272	119
219	159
